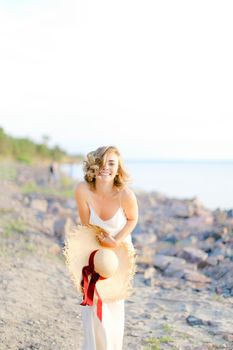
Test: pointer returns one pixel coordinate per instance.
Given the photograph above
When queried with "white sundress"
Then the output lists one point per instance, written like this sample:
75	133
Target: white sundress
108	334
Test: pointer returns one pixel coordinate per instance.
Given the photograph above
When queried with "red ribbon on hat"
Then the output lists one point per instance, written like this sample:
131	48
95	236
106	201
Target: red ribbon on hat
89	287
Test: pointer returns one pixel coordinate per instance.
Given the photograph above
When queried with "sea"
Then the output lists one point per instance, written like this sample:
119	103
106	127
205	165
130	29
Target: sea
209	181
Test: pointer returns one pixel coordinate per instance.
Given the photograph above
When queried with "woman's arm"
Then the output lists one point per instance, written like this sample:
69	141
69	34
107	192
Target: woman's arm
130	206
80	195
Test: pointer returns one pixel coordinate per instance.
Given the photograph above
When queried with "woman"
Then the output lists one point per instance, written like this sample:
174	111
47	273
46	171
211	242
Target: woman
104	199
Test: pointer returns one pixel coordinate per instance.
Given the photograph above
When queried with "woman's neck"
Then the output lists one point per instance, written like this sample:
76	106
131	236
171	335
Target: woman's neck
104	190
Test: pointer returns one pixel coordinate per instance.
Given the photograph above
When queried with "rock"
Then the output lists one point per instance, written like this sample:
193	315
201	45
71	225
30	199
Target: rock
228	337
216	234
194	321
174	250
145	255
144	239
182	210
195	276
187	241
26	201
55	249
178	269
61	227
194	255
149	276
199	222
55	208
149	273
71	204
212	261
39	205
162	247
48	223
207	245
230	213
221	271
171	238
162	261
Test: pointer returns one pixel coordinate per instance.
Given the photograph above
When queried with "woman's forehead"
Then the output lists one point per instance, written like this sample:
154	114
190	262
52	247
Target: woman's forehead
111	156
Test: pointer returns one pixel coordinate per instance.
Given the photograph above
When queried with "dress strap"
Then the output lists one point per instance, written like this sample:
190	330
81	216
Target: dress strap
120	194
89	200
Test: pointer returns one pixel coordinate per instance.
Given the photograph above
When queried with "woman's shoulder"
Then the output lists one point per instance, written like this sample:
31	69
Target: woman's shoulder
81	189
127	195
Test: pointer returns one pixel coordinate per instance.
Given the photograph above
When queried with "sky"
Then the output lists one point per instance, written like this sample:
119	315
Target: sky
154	78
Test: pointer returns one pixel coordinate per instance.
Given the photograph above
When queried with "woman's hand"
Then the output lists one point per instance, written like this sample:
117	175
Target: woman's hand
105	233
108	241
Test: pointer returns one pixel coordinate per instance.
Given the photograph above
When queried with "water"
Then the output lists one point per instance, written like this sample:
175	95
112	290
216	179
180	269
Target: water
211	182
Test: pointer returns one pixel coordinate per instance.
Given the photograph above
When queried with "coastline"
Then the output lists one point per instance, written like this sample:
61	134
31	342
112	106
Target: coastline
203	180
183	280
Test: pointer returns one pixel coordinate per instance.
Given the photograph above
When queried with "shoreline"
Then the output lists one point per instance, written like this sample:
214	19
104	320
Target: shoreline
179	181
183	279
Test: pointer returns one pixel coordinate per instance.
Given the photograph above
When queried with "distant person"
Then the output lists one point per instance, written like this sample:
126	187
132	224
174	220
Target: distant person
53	172
104	199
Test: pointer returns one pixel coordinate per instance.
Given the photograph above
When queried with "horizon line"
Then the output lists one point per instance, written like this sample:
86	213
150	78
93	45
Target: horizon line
176	160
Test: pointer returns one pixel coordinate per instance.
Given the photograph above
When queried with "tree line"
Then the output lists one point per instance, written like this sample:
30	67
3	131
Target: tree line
26	150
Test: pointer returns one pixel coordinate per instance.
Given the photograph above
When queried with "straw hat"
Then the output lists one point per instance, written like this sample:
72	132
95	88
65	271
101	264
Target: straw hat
110	269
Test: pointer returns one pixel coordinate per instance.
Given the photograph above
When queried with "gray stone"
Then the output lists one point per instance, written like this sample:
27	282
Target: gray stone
178	269
61	227
39	205
55	208
191	240
162	261
195	276
194	321
194	255
228	337
212	260
145	239
182	210
149	273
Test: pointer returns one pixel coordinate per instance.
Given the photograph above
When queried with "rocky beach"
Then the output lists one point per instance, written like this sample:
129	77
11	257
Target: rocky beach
183	287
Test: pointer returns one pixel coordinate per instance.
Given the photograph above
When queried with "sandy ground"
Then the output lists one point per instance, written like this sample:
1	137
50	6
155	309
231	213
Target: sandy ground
40	307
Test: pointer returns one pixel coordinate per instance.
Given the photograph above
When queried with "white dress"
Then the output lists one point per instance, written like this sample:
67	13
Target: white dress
108	334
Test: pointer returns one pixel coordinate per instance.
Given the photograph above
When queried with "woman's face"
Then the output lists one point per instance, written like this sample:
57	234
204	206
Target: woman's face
110	168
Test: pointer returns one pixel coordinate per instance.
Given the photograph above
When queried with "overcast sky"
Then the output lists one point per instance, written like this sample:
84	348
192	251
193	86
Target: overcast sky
153	77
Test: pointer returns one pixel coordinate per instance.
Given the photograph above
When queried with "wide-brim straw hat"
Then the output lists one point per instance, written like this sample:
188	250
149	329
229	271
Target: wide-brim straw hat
80	242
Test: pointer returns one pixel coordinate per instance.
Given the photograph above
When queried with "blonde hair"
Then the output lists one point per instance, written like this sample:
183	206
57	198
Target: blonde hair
94	162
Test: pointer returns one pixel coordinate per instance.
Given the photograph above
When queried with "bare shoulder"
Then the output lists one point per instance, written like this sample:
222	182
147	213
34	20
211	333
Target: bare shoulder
129	204
81	189
128	196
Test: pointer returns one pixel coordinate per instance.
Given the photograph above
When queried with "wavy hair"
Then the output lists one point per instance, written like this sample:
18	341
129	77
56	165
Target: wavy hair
94	162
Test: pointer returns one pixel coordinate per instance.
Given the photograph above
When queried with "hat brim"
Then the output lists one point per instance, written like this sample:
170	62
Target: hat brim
80	242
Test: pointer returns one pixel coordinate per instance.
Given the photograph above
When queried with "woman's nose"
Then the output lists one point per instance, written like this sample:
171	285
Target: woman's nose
105	166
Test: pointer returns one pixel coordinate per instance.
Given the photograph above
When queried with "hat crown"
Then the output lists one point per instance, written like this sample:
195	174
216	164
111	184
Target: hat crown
105	262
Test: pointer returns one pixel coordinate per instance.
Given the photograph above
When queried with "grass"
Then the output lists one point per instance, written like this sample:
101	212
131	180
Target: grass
155	343
4	252
14	226
183	335
217	297
167	328
4	211
65	191
30	247
7	172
